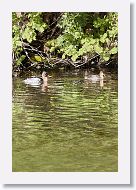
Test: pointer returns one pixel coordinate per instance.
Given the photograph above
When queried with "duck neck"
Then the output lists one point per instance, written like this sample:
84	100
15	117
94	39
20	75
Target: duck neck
85	76
45	80
101	75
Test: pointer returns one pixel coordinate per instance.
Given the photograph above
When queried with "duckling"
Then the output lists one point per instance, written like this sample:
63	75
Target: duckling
94	78
34	81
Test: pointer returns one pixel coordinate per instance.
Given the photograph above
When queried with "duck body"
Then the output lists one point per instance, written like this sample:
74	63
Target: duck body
94	78
35	81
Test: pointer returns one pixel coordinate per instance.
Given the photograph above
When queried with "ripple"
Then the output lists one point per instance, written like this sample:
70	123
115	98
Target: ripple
71	120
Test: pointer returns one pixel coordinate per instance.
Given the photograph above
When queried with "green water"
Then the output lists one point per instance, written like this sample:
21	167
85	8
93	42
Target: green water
71	126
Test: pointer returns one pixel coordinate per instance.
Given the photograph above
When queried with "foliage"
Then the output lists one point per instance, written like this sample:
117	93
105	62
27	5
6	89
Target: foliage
80	35
25	28
87	33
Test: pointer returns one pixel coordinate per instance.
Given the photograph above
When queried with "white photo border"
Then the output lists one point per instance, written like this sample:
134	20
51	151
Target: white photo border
123	174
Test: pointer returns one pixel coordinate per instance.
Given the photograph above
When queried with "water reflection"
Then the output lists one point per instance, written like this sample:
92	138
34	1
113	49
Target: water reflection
44	87
71	125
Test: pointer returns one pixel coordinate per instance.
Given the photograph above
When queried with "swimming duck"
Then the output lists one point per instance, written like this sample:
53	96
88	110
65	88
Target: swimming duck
94	78
34	81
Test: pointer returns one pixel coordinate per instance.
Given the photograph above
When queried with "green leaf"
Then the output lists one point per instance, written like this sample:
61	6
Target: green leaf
52	49
38	58
98	49
77	35
114	50
63	56
103	38
106	57
92	41
18	43
74	57
19	61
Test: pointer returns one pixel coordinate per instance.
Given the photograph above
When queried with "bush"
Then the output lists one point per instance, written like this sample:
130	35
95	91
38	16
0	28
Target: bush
77	35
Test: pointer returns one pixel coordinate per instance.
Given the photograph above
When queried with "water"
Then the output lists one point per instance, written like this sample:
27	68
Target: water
71	126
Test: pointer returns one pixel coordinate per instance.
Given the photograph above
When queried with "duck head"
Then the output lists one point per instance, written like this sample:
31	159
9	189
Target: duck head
44	76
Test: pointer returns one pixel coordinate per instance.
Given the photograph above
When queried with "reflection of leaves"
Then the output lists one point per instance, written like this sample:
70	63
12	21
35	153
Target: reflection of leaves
68	116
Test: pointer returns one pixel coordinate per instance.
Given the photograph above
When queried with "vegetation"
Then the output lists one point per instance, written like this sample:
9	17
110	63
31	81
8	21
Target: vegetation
50	39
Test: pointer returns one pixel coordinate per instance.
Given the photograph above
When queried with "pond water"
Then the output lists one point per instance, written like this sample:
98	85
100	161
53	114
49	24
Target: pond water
71	126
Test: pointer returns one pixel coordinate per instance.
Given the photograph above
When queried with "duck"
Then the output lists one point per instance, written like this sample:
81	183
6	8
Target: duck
35	81
94	78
